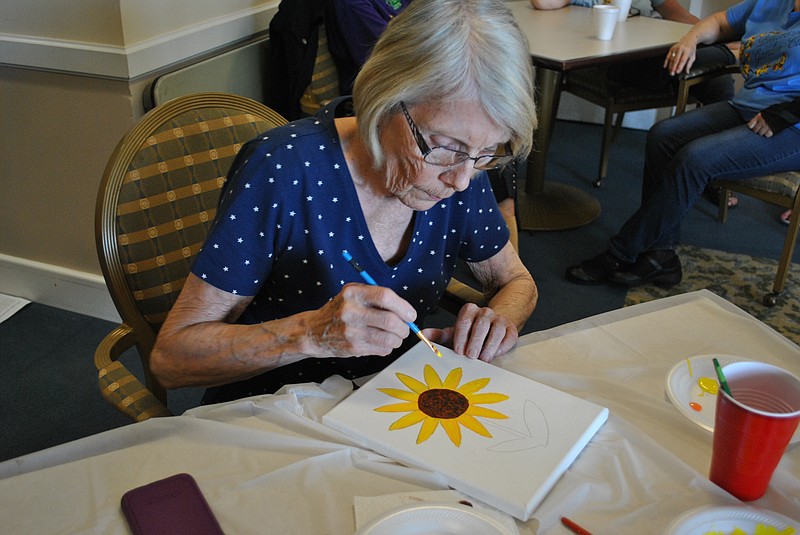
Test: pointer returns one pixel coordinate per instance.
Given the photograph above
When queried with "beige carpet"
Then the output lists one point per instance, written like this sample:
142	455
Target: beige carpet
743	280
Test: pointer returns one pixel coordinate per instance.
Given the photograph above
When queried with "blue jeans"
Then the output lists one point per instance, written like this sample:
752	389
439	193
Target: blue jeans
683	154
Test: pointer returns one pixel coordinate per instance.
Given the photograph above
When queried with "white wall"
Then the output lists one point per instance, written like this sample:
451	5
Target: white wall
123	39
72	75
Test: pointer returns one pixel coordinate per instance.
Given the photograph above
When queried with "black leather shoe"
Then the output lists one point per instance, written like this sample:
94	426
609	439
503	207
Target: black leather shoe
595	270
662	268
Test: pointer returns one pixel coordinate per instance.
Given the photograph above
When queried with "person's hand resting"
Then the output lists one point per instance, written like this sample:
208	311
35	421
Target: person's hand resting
758	125
478	333
681	55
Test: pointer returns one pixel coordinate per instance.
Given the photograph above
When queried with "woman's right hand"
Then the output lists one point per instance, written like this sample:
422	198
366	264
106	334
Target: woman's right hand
201	345
361	320
681	55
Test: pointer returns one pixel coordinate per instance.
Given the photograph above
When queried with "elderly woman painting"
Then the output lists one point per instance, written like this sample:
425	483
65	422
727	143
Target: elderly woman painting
396	178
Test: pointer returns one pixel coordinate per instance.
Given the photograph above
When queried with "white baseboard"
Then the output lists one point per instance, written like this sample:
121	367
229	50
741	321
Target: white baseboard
76	291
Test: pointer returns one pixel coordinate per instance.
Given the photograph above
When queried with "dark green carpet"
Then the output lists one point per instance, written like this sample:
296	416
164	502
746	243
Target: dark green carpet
741	279
48	382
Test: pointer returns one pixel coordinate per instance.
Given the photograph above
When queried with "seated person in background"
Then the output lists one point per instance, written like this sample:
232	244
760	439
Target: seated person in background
650	73
754	134
353	28
399	185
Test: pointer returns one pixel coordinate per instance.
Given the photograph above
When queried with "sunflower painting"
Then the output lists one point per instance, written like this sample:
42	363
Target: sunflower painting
434	402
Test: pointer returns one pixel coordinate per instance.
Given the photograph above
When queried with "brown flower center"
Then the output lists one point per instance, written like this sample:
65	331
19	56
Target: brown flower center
443	403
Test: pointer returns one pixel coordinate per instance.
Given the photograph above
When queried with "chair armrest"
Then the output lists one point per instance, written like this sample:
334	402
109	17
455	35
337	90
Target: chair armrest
118	385
458	294
697	76
709	71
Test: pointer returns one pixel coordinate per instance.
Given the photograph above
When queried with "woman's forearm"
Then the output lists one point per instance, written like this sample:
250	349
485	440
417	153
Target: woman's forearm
516	300
712	29
200	345
213	353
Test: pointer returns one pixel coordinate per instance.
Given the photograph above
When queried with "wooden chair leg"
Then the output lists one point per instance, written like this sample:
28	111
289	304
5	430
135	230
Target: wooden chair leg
786	258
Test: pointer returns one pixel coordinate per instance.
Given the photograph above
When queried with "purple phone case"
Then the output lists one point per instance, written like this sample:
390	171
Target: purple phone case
174	505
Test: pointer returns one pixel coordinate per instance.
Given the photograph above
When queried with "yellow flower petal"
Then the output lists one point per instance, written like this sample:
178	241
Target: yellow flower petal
453	431
408	406
473	425
400	394
408	420
427	429
473	386
414	384
489	397
483	412
453	378
432	378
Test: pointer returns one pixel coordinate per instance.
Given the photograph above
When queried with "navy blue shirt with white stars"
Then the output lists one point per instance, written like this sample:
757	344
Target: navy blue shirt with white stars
290	210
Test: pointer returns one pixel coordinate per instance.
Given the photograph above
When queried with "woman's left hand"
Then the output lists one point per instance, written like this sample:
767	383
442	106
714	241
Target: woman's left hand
478	333
680	57
758	125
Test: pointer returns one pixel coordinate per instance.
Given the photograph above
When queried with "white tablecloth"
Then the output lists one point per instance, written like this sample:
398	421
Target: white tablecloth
266	464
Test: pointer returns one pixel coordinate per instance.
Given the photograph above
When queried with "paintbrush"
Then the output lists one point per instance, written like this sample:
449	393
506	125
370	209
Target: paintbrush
721	377
369	280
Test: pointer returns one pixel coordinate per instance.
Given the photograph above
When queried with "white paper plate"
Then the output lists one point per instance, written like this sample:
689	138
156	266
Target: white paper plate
724	519
683	387
434	519
684	391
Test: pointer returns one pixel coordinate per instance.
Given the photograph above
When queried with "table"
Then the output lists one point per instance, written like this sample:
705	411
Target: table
561	40
266	464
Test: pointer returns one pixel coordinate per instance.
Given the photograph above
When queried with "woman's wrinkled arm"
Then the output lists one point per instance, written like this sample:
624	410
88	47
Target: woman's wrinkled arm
199	343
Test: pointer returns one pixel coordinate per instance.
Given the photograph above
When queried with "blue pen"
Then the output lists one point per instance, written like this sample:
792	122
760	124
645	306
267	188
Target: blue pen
369	280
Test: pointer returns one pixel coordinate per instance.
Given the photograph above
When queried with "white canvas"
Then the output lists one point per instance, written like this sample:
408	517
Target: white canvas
536	432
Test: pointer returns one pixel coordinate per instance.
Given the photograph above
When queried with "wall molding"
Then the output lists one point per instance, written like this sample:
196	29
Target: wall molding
136	60
59	287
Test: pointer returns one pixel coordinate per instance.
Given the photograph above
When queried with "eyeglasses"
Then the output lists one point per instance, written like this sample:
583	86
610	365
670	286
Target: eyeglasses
446	157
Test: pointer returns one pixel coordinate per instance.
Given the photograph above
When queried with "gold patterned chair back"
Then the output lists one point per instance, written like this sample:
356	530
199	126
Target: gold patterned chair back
156	204
324	85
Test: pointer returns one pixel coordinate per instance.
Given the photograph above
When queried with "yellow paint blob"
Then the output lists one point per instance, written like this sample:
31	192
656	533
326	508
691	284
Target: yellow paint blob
761	529
708	385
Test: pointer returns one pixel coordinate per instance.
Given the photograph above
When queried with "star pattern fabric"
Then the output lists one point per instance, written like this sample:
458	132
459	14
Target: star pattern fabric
291	208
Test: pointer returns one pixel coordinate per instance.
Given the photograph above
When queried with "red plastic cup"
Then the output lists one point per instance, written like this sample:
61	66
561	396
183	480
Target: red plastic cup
753	427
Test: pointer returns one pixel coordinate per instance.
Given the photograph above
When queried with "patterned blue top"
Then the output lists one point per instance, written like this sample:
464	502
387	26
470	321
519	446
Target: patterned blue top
770	53
291	209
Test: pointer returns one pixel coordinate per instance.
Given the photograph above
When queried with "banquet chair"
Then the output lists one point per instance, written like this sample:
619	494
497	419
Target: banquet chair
781	189
616	98
155	205
324	84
